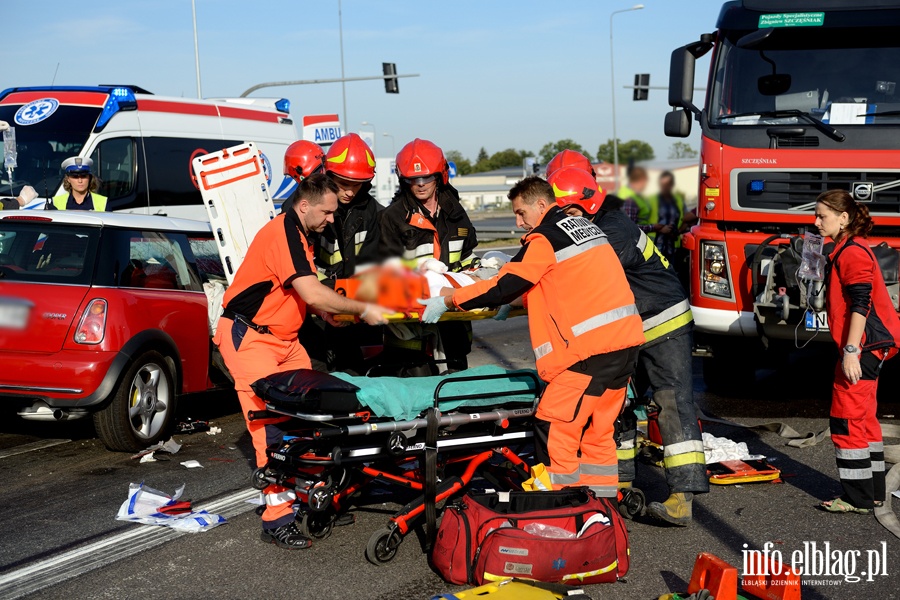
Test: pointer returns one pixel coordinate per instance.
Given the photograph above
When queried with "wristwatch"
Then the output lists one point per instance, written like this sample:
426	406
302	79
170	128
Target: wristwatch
851	349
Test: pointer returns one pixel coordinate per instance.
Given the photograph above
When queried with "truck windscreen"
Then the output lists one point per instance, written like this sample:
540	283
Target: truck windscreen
840	76
43	146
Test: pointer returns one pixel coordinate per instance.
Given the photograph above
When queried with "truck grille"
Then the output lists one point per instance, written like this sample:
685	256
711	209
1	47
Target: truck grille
797	190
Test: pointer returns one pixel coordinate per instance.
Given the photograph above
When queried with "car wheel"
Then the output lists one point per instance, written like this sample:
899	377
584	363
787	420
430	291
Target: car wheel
142	406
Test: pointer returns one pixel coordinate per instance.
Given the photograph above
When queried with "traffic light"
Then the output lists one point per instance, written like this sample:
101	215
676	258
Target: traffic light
391	84
536	168
641	86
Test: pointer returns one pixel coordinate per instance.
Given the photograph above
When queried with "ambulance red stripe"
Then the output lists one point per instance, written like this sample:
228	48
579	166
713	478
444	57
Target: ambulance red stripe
70	98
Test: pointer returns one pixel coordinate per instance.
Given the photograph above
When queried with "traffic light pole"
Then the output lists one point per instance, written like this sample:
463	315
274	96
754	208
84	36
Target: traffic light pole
259	86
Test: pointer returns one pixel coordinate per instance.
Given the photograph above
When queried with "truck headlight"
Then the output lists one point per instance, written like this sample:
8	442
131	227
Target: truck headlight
714	270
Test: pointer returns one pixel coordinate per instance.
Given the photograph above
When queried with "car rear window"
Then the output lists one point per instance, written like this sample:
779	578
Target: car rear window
47	252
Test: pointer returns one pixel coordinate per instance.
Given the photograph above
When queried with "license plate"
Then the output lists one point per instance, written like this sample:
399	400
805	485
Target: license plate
14	315
816	321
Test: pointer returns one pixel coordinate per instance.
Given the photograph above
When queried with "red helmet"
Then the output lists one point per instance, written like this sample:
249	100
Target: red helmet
351	158
421	158
569	158
302	159
573	186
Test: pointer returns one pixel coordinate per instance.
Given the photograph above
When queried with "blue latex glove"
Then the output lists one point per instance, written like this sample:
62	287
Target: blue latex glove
434	308
502	313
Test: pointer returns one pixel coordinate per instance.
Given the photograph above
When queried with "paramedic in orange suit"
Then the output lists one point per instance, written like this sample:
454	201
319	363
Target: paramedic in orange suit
585	332
264	308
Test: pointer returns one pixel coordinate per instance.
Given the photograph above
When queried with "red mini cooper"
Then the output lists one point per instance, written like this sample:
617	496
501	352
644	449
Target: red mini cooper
105	314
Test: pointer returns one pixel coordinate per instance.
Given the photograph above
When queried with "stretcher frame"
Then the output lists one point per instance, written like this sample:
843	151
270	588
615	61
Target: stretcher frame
333	457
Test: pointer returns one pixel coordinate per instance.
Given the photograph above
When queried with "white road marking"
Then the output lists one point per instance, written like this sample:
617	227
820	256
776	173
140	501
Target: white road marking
31	447
83	559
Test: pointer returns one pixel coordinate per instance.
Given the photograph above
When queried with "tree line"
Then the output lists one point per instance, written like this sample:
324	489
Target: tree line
629	151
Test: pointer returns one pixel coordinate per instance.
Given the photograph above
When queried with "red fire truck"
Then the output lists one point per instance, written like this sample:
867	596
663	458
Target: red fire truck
802	97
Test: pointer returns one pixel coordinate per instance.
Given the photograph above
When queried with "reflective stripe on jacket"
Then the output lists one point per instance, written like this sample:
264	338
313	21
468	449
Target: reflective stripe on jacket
661	300
579	302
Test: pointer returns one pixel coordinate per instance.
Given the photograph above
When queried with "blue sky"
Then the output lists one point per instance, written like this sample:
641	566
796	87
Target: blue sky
493	74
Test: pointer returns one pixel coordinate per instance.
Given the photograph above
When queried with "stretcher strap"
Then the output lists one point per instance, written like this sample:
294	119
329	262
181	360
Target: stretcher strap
432	417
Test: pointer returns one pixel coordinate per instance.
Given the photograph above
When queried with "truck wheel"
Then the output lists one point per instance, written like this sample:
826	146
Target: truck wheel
142	406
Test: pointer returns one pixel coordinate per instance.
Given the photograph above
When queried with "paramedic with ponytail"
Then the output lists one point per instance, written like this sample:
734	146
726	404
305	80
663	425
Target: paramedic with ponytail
865	326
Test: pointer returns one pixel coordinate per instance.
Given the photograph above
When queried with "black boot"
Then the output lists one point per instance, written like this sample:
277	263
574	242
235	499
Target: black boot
286	536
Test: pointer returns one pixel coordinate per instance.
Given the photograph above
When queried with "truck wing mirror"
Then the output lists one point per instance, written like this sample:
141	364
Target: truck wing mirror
678	123
681	73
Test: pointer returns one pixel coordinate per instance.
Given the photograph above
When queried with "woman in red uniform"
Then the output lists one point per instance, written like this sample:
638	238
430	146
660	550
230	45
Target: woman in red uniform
865	326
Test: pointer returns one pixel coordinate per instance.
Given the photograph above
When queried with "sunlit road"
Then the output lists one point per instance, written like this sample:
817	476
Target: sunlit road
61	490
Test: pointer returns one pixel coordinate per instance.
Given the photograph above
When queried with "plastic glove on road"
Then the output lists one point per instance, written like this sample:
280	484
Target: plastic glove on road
502	313
434	308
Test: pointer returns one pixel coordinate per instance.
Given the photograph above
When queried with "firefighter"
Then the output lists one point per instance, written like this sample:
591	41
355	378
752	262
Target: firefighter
263	310
80	186
350	242
301	159
664	362
585	337
635	204
426	220
865	326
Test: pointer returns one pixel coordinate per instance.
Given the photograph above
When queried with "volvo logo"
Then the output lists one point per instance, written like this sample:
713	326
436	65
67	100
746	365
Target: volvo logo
863	191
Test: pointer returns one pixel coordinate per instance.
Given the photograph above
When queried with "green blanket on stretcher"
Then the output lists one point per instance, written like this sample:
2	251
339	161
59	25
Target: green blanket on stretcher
404	398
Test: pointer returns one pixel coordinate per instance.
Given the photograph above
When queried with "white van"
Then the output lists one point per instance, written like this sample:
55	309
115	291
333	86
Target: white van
142	145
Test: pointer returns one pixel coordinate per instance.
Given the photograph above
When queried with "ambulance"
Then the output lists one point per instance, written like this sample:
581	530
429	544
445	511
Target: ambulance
142	145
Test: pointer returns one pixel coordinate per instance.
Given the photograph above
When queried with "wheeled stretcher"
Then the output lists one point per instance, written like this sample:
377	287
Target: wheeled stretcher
430	435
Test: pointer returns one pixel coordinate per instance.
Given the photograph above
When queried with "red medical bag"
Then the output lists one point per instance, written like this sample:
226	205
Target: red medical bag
498	535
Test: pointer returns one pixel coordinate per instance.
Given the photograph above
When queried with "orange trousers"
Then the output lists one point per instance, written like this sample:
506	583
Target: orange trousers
250	356
575	425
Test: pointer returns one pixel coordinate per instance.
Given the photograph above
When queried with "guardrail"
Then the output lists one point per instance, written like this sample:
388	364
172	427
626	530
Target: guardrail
486	234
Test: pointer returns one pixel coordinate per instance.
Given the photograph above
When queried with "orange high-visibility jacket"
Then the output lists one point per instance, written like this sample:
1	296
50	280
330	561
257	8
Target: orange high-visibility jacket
579	302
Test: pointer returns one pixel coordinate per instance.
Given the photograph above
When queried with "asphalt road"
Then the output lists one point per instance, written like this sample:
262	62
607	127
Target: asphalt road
60	539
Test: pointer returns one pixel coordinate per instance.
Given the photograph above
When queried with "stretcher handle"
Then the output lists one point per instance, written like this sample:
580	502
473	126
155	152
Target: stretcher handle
481	396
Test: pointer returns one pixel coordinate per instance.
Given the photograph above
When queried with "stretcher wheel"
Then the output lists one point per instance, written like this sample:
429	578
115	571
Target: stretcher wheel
317	526
633	503
258	479
396	444
383	545
259	510
319	499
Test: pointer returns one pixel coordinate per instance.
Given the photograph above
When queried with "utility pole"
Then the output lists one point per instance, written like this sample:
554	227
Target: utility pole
196	48
343	77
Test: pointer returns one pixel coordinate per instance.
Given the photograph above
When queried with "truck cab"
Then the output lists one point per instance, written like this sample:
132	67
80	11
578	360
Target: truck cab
801	97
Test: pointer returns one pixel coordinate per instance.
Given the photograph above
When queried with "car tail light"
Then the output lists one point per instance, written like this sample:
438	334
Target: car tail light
714	270
92	326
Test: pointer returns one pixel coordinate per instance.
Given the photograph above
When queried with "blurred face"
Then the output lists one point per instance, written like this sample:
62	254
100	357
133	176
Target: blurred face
574	211
348	189
80	182
829	222
666	184
528	215
639	185
423	188
316	217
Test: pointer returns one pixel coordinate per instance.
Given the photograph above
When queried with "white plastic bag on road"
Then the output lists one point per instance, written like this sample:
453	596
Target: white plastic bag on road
144	505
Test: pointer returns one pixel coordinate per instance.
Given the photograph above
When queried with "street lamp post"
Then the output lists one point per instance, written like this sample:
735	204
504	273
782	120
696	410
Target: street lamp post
388	135
612	88
374	135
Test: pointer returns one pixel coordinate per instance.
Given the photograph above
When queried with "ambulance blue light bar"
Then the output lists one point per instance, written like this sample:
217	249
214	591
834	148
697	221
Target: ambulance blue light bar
120	98
283	105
